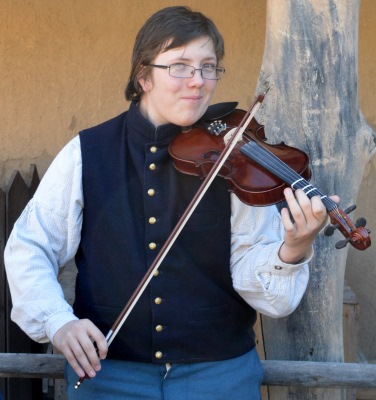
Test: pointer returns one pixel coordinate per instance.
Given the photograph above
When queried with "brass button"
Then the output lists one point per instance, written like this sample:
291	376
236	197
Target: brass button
152	246
152	167
159	328
153	149
157	300
152	220
156	273
158	354
151	192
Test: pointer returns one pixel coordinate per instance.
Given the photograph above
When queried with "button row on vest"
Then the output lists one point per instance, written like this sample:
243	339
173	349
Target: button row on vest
152	246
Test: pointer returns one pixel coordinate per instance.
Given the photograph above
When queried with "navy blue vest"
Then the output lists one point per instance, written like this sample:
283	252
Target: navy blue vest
133	198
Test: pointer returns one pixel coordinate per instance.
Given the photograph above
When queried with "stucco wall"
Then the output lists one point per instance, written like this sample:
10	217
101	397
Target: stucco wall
64	66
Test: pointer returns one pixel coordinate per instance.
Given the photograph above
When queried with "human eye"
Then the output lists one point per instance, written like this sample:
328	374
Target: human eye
209	71
179	67
209	67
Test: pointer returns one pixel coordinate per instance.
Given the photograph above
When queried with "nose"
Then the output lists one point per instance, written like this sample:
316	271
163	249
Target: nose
197	79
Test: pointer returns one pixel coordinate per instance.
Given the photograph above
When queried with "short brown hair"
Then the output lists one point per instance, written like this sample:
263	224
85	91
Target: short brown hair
180	25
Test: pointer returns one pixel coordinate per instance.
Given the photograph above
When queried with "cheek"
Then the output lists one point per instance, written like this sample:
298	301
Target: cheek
171	85
212	86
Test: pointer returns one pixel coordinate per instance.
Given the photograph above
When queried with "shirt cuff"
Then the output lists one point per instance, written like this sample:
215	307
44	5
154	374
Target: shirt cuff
281	267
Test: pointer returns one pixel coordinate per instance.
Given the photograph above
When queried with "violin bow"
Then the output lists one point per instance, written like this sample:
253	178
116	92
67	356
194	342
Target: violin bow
236	133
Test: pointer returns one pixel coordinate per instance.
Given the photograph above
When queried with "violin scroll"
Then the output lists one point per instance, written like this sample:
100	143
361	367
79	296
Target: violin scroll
355	234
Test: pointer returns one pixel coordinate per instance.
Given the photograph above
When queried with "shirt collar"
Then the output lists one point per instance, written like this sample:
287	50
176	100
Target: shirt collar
145	131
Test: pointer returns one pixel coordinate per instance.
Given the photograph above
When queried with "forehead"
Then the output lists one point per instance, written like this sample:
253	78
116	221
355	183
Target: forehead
202	47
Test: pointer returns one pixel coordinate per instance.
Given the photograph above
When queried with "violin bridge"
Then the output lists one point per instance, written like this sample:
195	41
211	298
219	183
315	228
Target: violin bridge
229	135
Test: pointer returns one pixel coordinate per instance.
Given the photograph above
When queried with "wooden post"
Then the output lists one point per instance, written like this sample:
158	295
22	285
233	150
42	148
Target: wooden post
310	68
350	332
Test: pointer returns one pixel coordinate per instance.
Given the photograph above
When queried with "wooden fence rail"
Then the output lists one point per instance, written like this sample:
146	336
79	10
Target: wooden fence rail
276	373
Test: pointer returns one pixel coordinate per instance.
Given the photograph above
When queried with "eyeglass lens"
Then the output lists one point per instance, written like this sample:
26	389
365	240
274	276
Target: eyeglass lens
188	71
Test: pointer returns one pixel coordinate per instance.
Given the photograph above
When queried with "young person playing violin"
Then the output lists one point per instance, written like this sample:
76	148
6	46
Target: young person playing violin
112	197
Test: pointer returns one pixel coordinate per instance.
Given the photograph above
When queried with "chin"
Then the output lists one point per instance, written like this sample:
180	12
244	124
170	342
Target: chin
190	118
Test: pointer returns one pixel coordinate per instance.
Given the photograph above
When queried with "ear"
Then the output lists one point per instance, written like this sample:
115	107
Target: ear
144	79
145	84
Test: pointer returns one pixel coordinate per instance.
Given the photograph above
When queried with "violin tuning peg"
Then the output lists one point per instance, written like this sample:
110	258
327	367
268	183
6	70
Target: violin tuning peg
329	230
360	222
342	243
350	209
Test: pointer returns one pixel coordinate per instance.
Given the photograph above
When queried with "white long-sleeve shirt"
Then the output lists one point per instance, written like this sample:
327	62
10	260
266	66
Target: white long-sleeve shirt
47	234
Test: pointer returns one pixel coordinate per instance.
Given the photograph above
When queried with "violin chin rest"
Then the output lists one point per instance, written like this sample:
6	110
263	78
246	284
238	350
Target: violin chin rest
219	110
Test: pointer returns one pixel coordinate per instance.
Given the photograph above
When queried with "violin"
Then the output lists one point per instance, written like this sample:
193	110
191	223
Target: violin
255	171
195	150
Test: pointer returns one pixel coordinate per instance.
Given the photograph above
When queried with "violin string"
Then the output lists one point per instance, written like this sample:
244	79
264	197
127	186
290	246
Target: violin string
283	171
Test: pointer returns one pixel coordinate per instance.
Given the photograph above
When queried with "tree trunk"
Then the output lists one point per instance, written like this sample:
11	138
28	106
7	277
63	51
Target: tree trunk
310	67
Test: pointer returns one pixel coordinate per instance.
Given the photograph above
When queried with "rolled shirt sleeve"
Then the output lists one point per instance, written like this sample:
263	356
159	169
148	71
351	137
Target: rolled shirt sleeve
44	238
269	285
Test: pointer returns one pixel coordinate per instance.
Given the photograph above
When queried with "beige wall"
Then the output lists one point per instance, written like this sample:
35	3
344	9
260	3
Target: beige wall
64	66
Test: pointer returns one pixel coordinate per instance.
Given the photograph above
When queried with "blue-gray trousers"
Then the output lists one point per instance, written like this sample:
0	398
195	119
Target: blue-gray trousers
236	379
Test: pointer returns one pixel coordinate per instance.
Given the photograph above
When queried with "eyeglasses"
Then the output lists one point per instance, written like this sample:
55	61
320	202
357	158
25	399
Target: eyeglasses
208	71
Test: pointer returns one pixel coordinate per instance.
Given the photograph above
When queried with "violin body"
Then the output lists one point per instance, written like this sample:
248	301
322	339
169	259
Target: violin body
195	150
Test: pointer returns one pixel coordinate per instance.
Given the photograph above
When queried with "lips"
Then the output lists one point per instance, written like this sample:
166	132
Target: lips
194	98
